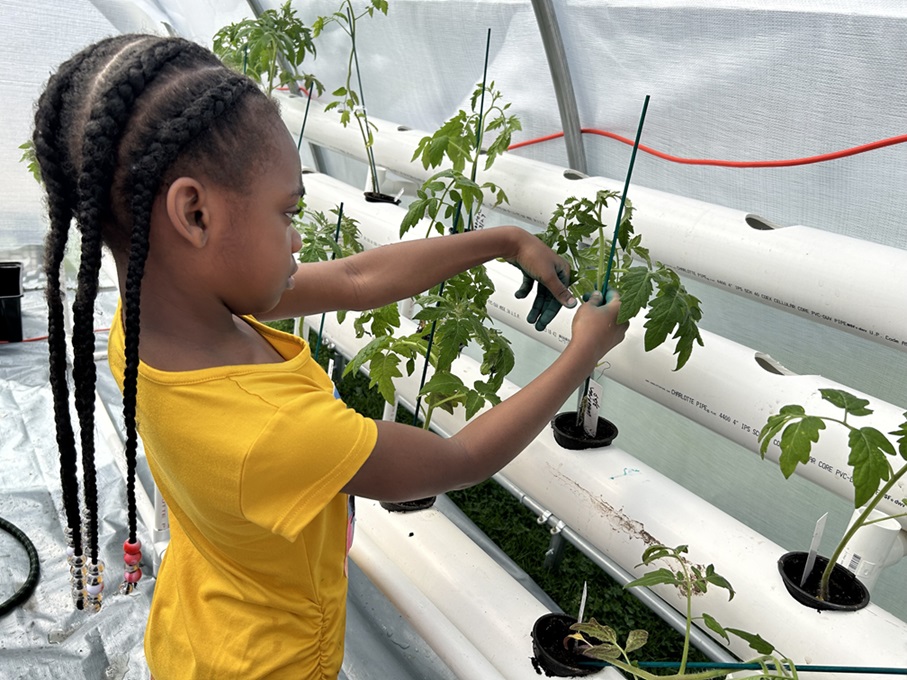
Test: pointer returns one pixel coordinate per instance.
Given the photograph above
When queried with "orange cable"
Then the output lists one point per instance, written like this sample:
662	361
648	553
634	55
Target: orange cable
899	139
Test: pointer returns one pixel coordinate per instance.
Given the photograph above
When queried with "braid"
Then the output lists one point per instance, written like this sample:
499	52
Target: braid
161	150
113	122
51	152
113	104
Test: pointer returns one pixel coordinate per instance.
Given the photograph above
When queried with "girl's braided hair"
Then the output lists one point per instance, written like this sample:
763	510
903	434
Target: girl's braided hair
115	124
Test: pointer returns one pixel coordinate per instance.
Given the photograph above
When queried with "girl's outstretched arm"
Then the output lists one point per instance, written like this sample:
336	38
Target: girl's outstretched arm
382	275
408	462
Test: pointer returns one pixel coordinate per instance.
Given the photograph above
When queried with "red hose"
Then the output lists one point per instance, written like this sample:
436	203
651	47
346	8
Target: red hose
899	139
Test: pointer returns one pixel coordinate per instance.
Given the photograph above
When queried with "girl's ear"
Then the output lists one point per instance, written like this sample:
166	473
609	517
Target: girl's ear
188	210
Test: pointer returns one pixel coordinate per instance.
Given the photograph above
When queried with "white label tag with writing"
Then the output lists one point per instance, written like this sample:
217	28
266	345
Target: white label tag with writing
593	403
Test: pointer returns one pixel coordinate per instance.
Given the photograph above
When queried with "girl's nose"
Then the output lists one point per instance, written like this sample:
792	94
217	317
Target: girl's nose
296	241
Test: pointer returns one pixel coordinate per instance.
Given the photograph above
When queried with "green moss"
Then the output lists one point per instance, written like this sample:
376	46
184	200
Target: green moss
514	528
285	325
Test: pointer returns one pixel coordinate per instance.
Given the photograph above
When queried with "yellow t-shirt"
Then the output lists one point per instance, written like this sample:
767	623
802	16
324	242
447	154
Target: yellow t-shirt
250	460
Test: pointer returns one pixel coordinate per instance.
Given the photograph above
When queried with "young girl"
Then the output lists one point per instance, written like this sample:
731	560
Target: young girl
186	172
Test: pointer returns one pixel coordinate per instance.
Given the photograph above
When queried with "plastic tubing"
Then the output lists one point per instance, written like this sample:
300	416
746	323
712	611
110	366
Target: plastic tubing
34	568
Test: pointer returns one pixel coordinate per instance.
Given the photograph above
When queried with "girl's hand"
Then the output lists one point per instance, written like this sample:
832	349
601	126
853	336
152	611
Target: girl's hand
595	328
539	263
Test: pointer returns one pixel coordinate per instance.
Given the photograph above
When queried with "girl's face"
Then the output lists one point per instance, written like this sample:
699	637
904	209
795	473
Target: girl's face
259	246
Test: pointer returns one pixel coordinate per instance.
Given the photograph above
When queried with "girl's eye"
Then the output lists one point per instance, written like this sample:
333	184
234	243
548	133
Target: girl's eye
293	213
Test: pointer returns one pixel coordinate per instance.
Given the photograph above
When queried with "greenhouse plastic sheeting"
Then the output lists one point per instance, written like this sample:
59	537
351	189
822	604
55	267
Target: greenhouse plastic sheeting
728	79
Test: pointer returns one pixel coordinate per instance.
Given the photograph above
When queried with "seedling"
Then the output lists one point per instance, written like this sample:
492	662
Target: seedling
870	456
456	310
577	232
689	579
449	198
269	49
349	101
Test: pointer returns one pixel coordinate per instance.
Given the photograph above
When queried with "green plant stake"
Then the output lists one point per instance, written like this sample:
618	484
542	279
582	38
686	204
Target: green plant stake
336	237
869	456
305	117
603	280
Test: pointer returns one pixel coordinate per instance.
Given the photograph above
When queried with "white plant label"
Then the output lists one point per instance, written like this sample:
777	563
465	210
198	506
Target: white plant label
593	402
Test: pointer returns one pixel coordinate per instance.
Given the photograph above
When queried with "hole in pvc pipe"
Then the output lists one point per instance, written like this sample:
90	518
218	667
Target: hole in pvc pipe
403	128
760	223
574	174
769	365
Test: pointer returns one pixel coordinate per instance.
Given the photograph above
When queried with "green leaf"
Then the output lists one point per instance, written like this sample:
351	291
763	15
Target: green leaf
776	423
673	307
654	578
594	629
657	552
755	641
383	368
443	383
854	406
415	213
635	291
31	160
635	640
901	434
603	652
365	355
473	404
720	582
714	626
796	443
868	448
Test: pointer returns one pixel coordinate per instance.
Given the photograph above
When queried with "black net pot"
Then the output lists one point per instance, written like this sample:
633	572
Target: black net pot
845	591
569	435
409	506
376	197
551	655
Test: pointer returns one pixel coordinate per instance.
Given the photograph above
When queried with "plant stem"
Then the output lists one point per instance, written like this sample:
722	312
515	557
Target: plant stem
364	132
688	625
272	67
638	672
860	521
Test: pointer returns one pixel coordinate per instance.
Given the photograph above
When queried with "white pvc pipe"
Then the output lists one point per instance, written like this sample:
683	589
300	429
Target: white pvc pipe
445	639
436	570
872	548
798	269
621	505
727	387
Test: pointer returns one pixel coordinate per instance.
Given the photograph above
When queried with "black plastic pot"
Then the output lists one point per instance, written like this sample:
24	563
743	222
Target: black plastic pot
845	591
409	506
572	436
376	197
551	655
11	301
